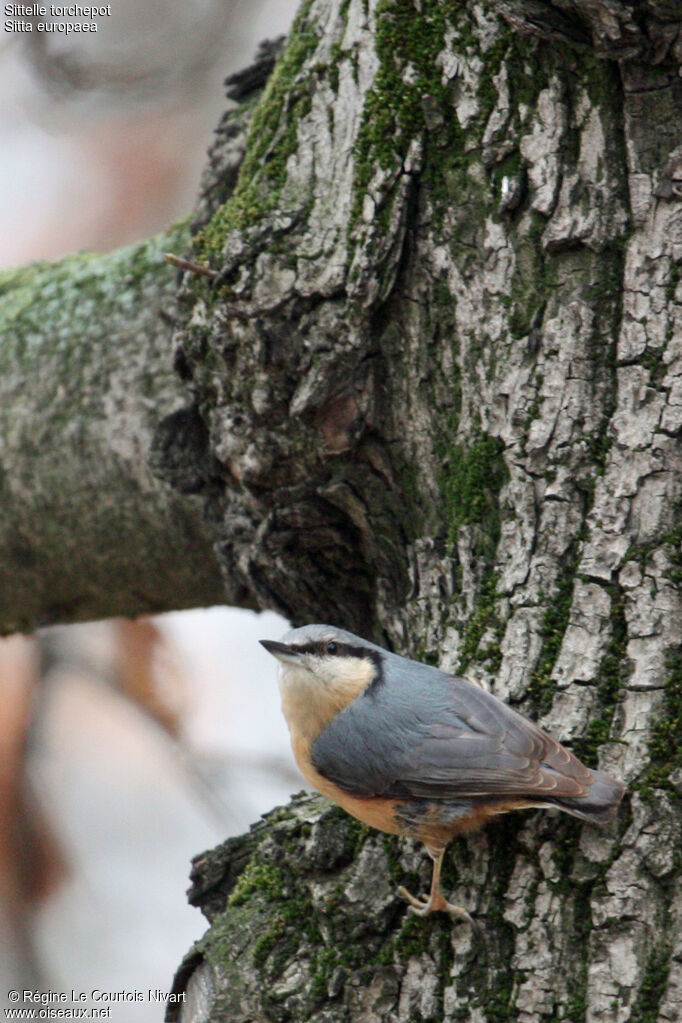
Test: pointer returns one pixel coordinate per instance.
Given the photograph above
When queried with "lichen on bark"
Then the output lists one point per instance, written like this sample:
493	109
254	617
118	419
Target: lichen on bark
85	370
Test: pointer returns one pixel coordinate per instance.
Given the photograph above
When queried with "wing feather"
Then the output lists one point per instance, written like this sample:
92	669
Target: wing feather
426	734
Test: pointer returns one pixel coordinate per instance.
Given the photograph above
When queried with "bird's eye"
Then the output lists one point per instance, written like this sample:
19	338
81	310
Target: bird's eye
332	647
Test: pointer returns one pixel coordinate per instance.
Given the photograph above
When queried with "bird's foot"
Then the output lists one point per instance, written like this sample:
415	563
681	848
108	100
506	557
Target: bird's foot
435	903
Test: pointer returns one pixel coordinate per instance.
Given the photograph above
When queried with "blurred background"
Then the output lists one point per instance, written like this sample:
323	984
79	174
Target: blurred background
125	747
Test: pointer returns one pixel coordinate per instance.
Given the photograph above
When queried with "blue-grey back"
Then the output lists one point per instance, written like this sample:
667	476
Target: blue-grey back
420	732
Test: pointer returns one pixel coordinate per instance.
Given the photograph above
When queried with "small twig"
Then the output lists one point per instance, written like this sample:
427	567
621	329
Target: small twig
196	268
186	264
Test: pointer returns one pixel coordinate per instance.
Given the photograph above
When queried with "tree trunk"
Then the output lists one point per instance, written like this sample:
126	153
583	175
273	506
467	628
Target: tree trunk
439	375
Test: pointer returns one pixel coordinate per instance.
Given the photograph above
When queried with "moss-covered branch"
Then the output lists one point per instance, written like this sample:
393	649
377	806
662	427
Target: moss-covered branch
85	373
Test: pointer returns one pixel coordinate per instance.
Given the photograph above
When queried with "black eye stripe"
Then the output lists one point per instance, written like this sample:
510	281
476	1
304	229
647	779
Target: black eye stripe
322	649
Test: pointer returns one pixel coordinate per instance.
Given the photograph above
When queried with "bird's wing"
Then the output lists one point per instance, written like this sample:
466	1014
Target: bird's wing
435	736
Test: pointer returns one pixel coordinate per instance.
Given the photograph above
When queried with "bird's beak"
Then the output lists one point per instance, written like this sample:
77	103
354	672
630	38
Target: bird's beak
281	651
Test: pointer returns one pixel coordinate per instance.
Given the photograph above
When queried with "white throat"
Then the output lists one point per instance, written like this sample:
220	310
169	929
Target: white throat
311	698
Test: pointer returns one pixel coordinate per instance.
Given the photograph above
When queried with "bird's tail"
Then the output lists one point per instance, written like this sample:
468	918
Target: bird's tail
601	802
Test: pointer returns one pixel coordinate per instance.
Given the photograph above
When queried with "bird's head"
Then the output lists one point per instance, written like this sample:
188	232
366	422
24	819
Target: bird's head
321	670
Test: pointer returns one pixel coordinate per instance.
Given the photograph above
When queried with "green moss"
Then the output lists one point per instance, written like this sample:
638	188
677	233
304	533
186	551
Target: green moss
491	981
413	937
407	83
652	360
325	963
485	621
534	278
72	320
575	1009
665	749
673	281
605	295
358	832
532	414
271	141
291	920
268	941
393	849
471	486
611	676
577	923
258	878
650	994
671	540
79	290
552	629
527	74
487	91
283	923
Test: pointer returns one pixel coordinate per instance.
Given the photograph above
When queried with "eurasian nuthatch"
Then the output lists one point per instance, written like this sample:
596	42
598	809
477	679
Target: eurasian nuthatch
413	751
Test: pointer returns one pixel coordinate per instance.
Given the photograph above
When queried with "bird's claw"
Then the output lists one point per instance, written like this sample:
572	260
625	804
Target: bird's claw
419	904
423	906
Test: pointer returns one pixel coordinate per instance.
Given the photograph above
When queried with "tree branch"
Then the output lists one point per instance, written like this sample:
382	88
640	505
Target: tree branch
85	370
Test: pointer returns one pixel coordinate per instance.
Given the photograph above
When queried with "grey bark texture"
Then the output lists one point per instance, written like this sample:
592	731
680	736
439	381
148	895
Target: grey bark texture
438	384
86	530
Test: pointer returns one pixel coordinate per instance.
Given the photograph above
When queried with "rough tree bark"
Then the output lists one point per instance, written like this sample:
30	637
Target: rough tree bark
86	530
435	398
439	385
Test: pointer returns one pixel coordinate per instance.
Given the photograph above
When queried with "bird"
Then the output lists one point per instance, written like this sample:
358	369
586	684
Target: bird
414	751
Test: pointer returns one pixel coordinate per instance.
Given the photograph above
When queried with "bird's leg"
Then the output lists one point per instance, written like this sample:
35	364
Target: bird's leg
435	902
